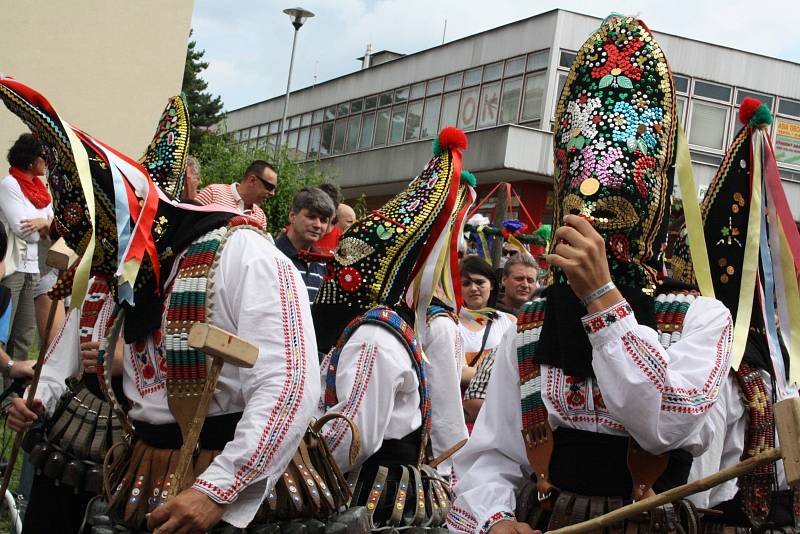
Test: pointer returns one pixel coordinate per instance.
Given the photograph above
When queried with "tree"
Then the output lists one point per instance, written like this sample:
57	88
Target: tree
224	162
204	108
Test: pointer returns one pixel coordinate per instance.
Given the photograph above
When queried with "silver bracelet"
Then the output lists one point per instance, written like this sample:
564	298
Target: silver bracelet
597	293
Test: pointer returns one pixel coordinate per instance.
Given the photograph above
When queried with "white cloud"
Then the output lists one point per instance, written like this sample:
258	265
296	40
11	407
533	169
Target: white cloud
252	38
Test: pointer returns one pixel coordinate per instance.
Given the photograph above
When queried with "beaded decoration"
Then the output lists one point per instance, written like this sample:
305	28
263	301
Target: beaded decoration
391	321
671	310
190	301
756	486
377	255
614	144
434	311
165	157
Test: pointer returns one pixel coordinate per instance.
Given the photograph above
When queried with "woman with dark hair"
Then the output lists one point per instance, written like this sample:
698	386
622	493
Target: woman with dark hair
26	211
482	328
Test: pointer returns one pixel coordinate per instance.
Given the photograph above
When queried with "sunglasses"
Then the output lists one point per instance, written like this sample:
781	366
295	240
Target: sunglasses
269	185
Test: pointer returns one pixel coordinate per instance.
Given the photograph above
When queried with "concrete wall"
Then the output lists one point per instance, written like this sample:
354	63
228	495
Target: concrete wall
107	66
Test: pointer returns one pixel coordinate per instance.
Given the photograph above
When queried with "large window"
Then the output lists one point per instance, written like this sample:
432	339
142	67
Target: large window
468	110
339	133
534	97
302	142
326	142
313	142
708	125
509	110
430	117
398	121
490	105
352	133
381	127
366	130
449	110
413	120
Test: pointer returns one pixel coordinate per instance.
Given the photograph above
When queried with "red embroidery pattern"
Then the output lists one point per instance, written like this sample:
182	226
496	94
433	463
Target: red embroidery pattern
596	322
288	403
460	520
496	518
338	429
558	388
680	400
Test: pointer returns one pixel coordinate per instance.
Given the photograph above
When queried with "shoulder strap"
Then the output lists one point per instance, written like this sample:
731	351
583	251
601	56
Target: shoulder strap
390	320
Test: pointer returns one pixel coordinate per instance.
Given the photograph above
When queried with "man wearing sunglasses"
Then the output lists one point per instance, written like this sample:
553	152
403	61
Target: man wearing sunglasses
258	184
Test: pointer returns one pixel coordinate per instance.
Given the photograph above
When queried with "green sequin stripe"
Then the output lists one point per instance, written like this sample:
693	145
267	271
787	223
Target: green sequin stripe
533	411
188	305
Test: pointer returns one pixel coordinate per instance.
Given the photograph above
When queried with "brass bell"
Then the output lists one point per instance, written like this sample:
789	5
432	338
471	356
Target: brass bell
74	473
54	466
38	455
32	437
93	483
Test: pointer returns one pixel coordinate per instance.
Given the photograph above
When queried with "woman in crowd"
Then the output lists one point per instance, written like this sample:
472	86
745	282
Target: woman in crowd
482	327
26	210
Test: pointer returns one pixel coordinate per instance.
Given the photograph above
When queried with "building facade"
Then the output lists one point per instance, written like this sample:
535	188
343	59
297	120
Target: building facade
372	127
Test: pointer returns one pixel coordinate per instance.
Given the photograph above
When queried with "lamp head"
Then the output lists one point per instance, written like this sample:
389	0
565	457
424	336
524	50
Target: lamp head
298	16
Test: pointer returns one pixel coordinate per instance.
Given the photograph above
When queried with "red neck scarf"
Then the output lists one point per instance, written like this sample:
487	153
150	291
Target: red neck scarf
33	188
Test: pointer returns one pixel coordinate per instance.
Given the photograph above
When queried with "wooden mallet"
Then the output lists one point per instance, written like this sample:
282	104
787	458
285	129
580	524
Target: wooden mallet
787	420
59	257
222	347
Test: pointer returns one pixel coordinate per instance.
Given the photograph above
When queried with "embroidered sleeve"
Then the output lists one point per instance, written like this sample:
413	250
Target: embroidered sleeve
661	396
266	301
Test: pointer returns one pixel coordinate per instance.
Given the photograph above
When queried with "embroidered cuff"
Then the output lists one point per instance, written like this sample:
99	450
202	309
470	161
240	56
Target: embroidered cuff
605	324
496	518
214	492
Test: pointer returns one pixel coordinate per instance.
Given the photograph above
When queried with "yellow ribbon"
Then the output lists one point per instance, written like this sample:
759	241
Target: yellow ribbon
80	283
793	306
691	211
741	330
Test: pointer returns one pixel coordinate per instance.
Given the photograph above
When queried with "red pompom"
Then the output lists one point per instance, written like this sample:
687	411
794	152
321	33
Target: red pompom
747	109
451	137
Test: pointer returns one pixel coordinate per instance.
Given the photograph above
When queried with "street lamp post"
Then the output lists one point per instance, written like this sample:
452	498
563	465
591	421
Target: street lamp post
298	16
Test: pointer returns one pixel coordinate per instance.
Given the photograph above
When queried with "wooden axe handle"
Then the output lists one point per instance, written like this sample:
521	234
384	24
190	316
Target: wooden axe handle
675	494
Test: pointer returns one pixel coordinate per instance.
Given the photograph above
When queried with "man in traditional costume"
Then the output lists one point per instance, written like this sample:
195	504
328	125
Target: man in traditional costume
172	265
747	225
382	280
584	400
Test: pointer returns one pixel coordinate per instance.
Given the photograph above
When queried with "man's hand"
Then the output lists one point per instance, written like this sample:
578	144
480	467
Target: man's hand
190	511
89	352
20	417
22	369
512	527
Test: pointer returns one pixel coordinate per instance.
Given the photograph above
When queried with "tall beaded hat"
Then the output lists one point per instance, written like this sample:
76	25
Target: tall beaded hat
614	143
105	202
381	253
752	241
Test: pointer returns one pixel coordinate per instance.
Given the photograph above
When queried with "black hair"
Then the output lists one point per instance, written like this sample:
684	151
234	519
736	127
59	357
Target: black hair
476	265
24	151
258	166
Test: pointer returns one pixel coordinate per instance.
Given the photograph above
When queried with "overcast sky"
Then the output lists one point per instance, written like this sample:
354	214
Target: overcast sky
248	42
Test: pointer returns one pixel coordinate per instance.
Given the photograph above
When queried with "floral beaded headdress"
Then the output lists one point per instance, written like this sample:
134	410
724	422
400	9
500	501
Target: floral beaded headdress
380	255
614	144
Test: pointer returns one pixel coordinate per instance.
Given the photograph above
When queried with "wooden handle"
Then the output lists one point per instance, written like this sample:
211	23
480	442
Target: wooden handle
60	256
191	438
787	421
675	494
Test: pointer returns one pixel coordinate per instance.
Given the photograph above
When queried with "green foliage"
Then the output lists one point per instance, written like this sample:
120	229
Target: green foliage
359	205
223	162
205	109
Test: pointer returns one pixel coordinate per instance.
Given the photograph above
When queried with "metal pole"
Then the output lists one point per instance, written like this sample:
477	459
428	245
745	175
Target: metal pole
288	85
